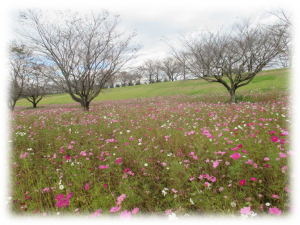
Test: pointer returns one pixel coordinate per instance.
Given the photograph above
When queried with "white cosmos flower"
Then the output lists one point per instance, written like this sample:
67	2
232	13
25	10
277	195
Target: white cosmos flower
173	216
244	216
164	192
61	187
146	164
268	204
192	202
233	204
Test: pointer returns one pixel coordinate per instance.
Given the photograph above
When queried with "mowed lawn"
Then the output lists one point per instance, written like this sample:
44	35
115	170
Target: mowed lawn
277	78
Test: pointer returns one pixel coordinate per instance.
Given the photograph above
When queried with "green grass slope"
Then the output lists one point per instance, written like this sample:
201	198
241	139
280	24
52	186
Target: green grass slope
278	78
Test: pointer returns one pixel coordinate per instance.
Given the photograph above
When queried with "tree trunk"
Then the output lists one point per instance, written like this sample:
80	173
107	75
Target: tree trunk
86	106
34	104
12	106
232	95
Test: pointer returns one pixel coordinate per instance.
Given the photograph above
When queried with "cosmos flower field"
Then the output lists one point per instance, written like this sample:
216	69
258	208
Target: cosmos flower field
173	157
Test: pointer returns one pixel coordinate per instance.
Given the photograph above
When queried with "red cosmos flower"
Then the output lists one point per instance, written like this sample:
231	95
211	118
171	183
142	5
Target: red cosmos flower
242	182
267	165
274	138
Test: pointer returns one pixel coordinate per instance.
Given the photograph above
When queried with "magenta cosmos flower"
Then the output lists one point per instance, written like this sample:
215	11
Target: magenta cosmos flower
274	138
118	160
242	182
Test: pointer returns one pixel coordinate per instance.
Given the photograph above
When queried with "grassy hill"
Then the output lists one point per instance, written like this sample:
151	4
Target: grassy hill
278	78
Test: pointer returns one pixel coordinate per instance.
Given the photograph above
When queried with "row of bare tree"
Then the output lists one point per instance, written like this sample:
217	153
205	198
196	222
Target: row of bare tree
80	54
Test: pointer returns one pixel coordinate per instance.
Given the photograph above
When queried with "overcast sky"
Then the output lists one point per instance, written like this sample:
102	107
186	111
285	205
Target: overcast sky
153	20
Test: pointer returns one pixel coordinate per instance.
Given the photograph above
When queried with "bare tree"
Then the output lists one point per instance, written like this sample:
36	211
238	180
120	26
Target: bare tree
147	70
233	58
35	85
112	81
124	78
285	59
86	50
172	68
151	71
18	69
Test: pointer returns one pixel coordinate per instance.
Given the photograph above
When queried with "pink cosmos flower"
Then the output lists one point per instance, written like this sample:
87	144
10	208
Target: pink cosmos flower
283	169
235	156
83	153
242	182
253	178
282	155
164	164
115	209
45	190
125	215
275	196
135	210
86	186
105	185
175	191
215	164
168	212
213	179
97	213
246	211
249	161
275	211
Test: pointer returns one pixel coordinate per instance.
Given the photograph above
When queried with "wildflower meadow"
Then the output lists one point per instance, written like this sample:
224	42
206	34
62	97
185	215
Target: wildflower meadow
172	156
